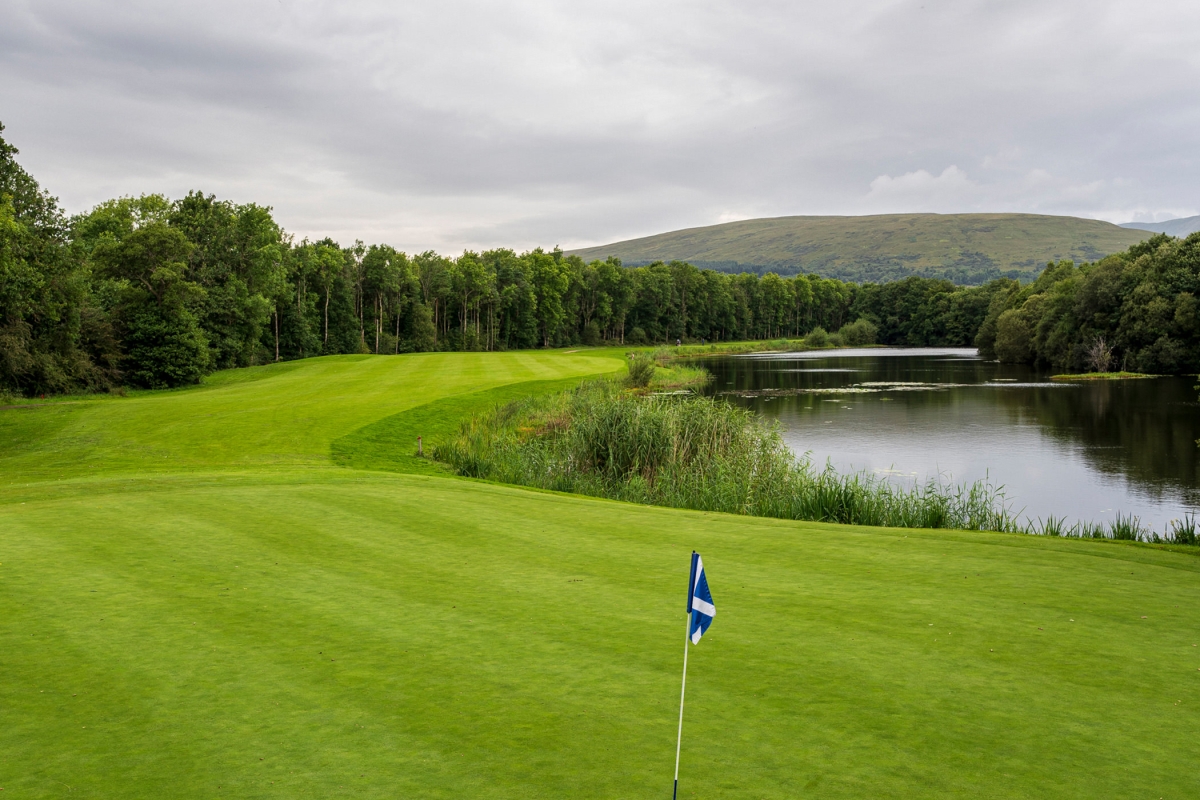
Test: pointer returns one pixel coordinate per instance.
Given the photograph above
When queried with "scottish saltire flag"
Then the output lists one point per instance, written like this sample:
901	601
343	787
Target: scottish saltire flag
700	602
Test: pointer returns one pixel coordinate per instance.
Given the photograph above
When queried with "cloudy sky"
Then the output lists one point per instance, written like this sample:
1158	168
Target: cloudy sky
450	124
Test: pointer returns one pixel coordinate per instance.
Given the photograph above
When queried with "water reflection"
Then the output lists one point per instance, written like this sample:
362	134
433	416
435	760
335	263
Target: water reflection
1084	450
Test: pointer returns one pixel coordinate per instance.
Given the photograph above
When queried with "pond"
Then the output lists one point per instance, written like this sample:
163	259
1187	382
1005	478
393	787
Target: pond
1080	450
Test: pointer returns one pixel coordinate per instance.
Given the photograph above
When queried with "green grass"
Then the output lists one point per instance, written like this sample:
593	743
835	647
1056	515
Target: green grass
251	620
882	247
281	415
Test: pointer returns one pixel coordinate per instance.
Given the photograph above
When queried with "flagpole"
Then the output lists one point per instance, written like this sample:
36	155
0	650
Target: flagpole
687	634
682	689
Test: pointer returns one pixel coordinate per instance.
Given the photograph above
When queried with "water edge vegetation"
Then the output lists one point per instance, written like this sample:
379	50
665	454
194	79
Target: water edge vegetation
624	441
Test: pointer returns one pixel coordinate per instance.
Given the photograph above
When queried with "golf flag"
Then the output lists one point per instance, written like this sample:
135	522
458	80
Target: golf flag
700	602
700	613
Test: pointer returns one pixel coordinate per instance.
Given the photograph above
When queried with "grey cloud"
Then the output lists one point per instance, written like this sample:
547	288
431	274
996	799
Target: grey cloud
470	124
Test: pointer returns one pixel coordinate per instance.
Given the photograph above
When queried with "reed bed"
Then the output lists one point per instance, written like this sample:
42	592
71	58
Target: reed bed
605	440
698	453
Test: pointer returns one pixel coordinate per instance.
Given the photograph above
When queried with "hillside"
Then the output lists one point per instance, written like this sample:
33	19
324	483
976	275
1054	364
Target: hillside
966	248
198	601
1181	227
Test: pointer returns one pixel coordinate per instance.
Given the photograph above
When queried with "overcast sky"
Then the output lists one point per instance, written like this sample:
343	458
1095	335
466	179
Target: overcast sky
447	125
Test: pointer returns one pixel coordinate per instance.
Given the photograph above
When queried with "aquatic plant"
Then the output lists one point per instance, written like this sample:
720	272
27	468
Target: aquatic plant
695	452
1184	531
1128	528
703	453
1053	526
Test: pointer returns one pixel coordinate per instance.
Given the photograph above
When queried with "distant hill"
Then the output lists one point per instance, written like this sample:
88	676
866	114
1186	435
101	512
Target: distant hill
1175	227
965	248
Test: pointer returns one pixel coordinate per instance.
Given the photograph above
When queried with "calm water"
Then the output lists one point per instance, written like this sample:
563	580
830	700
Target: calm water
1080	450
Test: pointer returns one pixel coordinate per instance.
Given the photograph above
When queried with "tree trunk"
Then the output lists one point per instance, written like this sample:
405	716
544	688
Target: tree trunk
326	339
276	334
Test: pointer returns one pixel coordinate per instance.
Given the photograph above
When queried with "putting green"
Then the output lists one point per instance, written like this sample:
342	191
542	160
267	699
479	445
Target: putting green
247	620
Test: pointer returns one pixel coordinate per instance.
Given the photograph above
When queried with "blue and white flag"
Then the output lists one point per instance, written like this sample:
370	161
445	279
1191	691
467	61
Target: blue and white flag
700	602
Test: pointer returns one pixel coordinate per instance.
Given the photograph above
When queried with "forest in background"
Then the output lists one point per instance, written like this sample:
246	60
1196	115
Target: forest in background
1133	311
154	293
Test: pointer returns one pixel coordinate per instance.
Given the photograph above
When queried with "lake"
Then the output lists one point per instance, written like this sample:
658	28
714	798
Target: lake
1081	450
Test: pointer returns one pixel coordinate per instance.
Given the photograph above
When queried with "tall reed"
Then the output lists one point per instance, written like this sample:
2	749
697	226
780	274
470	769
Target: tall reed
705	454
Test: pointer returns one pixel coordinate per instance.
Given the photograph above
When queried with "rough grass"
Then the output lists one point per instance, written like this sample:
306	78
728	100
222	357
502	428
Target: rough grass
251	627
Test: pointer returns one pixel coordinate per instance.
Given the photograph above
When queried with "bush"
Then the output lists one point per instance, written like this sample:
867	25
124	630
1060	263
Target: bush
858	333
641	371
591	334
637	335
165	347
817	337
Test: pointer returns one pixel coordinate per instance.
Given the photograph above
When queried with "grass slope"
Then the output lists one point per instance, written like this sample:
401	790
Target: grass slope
280	415
270	625
967	248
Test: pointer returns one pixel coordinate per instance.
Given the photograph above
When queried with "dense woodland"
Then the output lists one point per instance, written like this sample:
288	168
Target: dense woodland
1135	311
151	292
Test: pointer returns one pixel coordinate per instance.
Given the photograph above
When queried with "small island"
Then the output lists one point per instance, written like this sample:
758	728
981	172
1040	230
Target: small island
1100	376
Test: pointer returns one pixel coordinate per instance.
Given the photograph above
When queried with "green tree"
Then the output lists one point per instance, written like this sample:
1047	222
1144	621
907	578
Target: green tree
164	343
237	259
550	280
53	335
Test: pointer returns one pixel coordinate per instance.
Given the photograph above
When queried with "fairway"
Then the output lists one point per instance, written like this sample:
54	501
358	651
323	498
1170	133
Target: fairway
198	601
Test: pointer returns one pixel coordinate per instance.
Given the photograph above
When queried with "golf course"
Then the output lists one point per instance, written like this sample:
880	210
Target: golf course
252	588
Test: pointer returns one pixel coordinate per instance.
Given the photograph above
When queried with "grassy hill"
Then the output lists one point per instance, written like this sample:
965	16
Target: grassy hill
197	601
966	248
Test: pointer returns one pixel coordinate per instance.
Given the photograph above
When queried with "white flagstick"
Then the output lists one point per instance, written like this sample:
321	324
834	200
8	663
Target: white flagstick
682	689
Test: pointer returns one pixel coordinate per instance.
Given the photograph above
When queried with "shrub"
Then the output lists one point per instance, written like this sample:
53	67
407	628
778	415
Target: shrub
860	332
641	371
817	337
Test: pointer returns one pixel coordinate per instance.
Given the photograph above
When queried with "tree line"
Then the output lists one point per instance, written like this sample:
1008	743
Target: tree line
1134	311
155	293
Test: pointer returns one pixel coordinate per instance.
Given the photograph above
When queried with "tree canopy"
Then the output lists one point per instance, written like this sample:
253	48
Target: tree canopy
1135	310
